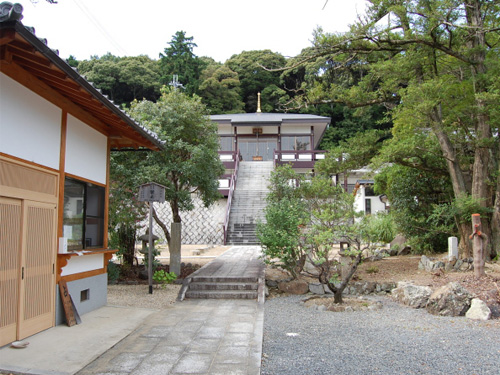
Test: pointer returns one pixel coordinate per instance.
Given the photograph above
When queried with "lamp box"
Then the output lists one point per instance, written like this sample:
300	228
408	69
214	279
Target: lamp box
152	192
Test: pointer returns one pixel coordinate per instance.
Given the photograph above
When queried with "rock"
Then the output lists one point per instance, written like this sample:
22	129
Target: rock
398	243
321	308
316	288
415	296
387	287
437	265
405	251
479	310
429	265
327	290
425	263
272	283
294	287
266	291
392	252
449	300
457	264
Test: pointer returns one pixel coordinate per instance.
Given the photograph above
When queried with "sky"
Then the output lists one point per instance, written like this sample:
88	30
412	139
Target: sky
220	28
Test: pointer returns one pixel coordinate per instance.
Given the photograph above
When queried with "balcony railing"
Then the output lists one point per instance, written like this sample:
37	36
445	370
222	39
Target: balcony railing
227	183
298	159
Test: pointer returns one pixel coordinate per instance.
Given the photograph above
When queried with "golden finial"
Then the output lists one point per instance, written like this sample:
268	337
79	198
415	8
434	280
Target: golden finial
258	103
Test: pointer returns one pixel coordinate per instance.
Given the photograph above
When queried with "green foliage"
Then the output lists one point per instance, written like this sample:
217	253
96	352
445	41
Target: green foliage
220	89
251	67
179	59
113	272
417	198
307	220
372	269
381	227
354	153
123	79
189	162
163	278
155	262
285	214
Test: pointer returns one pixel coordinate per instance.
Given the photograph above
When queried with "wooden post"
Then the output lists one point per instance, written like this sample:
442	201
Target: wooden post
477	246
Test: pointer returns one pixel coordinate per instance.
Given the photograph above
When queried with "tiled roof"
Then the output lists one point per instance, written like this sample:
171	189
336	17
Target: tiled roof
269	118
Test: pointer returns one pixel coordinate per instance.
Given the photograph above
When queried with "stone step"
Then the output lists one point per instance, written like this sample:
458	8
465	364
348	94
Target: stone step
224	279
222	294
222	286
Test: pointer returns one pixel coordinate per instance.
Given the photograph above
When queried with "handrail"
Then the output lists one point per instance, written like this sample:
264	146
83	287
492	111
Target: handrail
232	186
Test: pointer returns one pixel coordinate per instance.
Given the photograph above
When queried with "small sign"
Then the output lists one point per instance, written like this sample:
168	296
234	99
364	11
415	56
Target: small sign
67	304
152	192
257	130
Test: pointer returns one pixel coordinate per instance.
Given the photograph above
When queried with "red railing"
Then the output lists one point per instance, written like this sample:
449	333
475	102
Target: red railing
298	159
232	186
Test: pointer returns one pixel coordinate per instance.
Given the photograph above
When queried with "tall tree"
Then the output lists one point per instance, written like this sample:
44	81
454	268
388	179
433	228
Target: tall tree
220	89
178	59
123	78
253	68
188	163
432	64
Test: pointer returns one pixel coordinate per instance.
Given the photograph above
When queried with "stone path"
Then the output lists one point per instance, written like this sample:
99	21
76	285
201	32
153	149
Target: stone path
196	336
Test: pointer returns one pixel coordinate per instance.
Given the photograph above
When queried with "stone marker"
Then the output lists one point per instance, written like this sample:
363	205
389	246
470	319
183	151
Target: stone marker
452	248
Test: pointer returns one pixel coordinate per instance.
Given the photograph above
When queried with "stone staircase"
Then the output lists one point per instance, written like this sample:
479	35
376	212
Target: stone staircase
223	287
239	273
249	201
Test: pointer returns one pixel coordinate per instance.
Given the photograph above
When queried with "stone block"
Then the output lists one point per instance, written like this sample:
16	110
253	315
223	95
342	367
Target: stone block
478	310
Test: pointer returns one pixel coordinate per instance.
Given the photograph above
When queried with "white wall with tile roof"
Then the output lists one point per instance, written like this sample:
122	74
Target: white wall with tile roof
86	151
30	126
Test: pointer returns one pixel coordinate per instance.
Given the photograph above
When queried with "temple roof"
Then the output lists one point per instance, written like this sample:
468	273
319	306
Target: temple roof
269	118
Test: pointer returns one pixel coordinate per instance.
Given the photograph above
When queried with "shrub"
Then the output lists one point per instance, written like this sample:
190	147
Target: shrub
113	272
161	277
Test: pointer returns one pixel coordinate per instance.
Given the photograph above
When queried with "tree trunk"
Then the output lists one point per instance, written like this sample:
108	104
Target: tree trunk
495	220
480	174
478	246
456	177
174	247
126	239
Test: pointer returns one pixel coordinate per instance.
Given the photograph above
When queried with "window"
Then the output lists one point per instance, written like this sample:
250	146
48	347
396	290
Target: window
83	214
226	143
368	206
296	143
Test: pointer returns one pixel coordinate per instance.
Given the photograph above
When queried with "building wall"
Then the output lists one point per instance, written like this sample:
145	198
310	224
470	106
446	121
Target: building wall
30	126
86	151
97	292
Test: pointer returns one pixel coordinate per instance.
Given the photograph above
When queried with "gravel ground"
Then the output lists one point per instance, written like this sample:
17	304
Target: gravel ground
138	296
394	340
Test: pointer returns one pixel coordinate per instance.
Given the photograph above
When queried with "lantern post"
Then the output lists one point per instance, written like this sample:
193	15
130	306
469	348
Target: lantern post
151	192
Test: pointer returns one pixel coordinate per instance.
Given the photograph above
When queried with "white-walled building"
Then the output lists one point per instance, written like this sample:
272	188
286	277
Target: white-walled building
56	133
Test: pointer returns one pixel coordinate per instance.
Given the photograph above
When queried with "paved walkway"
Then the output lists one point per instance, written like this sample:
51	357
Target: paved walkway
193	337
196	336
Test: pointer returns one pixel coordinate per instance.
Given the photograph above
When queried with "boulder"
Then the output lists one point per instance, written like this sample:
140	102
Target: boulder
429	265
316	288
415	296
449	300
405	251
398	242
294	287
479	310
